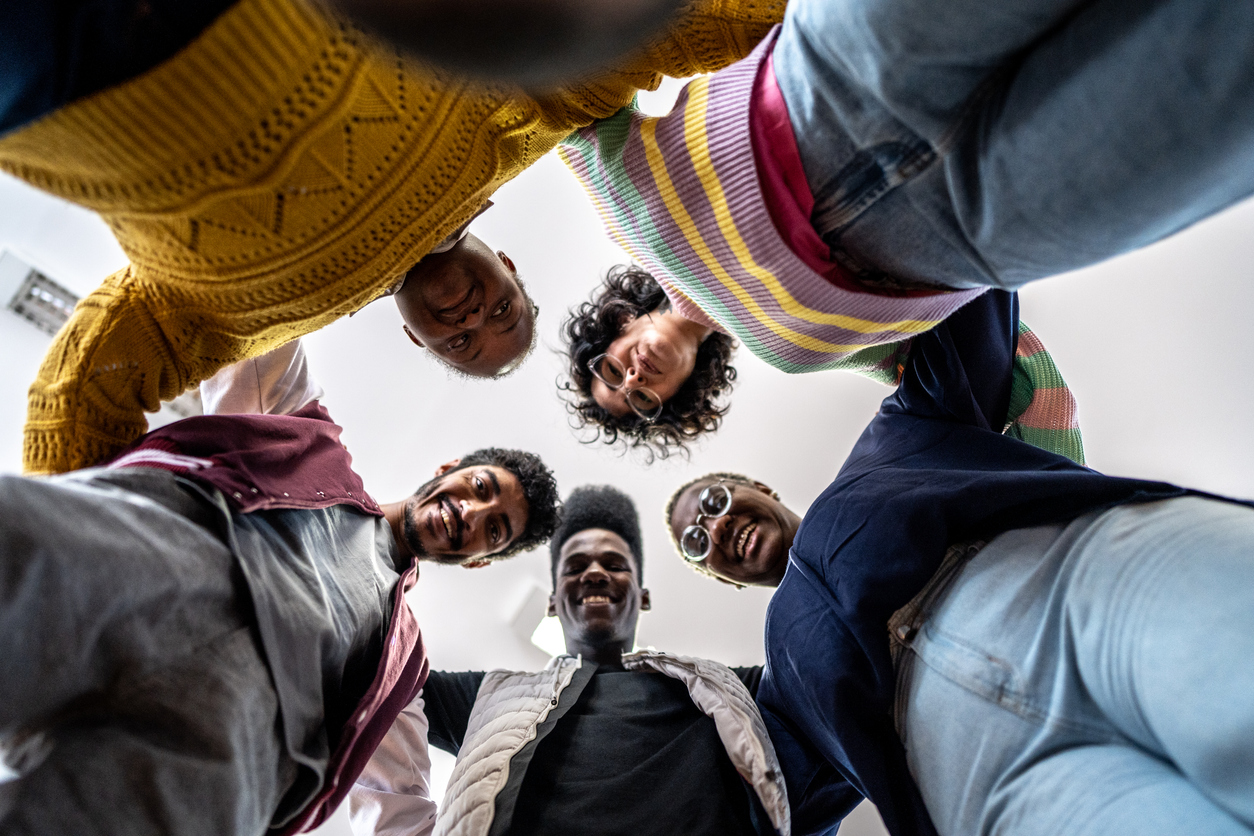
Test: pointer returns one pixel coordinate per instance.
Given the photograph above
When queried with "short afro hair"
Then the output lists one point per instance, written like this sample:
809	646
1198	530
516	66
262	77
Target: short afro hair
538	486
697	408
598	506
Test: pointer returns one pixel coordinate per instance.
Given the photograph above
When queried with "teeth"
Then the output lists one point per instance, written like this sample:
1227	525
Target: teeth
744	538
595	599
448	523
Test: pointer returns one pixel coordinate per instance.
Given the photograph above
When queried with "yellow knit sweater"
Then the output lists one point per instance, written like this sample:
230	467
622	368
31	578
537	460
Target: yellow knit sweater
280	172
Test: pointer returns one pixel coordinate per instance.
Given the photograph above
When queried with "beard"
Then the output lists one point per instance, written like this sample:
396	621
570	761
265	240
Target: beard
409	527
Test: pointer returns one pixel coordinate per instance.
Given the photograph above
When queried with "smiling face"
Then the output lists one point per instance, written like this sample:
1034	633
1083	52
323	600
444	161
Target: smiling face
597	595
750	542
466	307
464	514
657	351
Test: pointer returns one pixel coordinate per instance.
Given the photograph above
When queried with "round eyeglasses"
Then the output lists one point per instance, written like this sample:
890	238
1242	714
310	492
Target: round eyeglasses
695	542
642	400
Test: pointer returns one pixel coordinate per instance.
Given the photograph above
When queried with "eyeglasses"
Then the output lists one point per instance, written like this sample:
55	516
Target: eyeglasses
714	502
643	401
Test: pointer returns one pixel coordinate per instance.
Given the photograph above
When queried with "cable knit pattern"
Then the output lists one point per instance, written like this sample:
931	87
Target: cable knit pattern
278	173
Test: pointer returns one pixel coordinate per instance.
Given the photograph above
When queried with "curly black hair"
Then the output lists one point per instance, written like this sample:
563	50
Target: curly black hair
598	506
539	487
629	292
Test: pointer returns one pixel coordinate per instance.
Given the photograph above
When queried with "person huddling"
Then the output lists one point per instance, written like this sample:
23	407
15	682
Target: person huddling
872	167
640	370
209	634
643	372
602	741
289	170
981	636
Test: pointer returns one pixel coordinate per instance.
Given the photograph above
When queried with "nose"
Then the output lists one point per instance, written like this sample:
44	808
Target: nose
472	318
473	514
633	378
594	572
720	528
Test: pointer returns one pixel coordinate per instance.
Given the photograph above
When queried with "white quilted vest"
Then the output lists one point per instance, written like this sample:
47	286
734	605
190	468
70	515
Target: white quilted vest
511	704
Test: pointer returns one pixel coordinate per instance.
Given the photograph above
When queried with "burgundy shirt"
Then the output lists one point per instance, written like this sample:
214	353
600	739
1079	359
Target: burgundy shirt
298	461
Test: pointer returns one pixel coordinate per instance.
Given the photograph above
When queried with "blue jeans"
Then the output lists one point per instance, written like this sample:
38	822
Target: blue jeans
1092	679
965	143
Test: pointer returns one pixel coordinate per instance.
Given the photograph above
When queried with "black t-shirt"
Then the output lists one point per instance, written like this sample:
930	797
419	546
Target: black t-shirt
633	755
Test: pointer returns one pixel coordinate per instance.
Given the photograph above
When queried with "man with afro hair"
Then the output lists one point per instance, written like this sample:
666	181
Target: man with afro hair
603	741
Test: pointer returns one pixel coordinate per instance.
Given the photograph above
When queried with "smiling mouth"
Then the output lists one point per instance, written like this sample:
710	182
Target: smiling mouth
450	520
595	599
743	539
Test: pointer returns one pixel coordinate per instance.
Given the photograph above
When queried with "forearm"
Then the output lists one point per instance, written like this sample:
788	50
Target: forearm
128	346
706	36
1042	410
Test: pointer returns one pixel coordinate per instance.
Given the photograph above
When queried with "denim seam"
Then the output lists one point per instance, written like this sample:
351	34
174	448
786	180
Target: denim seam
1007	694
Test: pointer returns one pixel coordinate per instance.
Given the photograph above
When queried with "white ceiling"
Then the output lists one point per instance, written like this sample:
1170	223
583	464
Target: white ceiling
1156	345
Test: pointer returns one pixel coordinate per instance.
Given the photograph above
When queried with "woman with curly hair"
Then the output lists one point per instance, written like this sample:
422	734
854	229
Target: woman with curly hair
642	371
872	168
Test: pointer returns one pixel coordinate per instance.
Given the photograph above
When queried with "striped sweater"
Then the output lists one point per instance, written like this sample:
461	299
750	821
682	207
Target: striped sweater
680	193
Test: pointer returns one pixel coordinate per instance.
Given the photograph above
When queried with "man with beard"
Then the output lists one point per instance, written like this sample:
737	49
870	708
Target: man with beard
602	741
982	636
268	168
208	634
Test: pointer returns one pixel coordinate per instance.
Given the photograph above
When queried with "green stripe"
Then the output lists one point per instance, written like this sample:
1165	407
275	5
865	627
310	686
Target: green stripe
1028	375
603	161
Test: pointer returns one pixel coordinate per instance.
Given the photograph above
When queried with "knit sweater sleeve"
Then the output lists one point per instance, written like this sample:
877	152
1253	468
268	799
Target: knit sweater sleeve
1042	409
127	347
707	36
300	172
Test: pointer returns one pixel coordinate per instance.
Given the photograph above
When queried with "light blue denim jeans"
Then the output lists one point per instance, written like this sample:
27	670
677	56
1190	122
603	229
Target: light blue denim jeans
1092	679
967	143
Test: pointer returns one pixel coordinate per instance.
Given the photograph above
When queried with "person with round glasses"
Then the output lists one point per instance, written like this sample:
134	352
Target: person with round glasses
732	528
641	371
979	635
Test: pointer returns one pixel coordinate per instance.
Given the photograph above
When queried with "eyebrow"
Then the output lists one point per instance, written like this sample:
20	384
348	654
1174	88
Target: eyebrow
509	527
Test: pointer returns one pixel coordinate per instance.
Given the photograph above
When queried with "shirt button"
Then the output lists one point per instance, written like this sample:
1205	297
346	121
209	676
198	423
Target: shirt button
320	493
237	495
361	718
254	490
285	493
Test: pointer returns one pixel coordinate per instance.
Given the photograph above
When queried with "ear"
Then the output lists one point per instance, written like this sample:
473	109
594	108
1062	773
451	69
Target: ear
766	489
447	466
645	602
508	262
551	610
411	336
476	564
